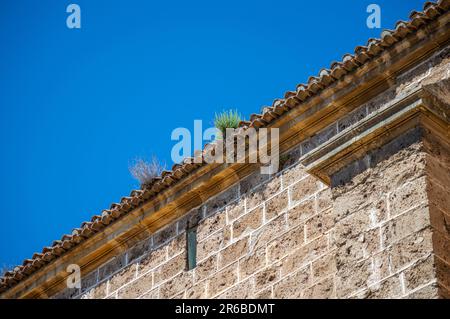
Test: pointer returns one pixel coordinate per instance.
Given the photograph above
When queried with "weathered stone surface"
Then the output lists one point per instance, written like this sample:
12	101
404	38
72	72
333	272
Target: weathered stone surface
411	195
304	255
352	202
352	277
176	245
122	277
206	268
248	222
441	246
111	266
164	235
264	294
438	196
176	285
293	175
248	265
272	229
293	285
170	268
272	186
153	294
233	252
235	210
223	280
286	243
421	273
198	291
318	225
99	291
210	225
354	239
406	224
152	260
210	245
137	287
72	293
276	205
321	290
324	266
388	288
139	250
88	281
301	212
324	200
221	200
289	159
352	118
306	187
191	219
411	248
430	291
242	290
266	277
442	272
252	181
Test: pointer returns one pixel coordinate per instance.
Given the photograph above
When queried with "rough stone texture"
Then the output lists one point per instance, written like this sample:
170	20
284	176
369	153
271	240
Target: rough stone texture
382	230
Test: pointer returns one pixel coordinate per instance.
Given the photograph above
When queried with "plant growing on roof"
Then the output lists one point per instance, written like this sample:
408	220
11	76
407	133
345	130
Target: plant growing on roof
226	119
145	172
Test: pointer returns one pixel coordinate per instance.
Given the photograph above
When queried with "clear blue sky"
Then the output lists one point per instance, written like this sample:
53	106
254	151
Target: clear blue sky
78	105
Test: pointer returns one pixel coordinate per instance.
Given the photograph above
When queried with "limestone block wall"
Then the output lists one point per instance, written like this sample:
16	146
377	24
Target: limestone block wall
381	233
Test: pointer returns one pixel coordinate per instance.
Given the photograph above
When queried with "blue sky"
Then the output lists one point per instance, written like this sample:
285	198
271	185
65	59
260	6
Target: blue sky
77	106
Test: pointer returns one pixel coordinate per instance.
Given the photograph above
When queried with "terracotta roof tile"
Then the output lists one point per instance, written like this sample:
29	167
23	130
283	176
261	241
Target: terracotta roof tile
315	84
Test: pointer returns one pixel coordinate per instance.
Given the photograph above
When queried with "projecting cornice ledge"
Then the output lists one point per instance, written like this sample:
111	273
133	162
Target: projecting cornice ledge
427	106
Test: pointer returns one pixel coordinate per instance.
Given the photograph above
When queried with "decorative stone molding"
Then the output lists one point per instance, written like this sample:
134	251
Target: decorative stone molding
426	106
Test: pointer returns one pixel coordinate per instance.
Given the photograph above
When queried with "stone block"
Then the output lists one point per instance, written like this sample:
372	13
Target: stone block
137	287
285	244
293	285
211	224
266	277
121	278
170	268
404	225
176	285
293	175
206	268
322	290
319	224
152	260
248	222
305	188
304	255
301	212
252	263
